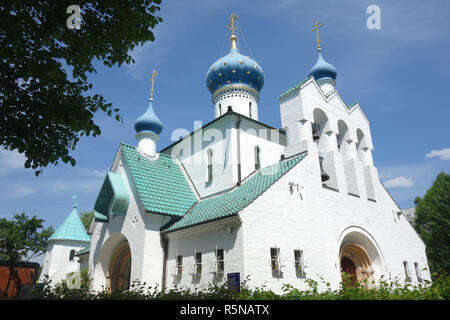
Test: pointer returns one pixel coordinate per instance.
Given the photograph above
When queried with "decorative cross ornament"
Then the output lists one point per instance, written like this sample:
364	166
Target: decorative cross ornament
233	19
316	27
152	79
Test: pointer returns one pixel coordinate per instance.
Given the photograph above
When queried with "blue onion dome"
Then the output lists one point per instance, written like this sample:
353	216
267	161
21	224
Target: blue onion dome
233	69
148	121
323	70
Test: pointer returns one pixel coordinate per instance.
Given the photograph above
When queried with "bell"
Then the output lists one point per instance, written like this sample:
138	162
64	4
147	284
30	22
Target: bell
323	174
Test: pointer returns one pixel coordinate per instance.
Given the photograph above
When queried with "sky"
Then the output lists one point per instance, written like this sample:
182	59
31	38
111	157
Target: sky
398	74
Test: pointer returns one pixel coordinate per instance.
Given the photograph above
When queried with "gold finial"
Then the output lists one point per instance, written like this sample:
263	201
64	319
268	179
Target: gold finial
316	27
152	79
232	27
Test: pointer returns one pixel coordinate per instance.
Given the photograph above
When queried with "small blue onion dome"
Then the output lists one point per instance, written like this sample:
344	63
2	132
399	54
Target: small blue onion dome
323	70
232	69
148	121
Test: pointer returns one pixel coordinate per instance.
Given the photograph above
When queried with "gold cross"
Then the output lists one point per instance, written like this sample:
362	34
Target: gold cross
233	19
316	26
152	79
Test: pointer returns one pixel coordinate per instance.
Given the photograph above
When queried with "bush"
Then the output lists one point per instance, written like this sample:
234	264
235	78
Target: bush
385	290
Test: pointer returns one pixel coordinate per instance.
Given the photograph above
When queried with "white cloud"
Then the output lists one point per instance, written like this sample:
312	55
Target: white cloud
443	154
399	182
11	161
19	191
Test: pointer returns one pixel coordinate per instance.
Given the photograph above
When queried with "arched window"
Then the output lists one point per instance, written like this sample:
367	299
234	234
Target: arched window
250	109
257	158
71	255
209	174
220	109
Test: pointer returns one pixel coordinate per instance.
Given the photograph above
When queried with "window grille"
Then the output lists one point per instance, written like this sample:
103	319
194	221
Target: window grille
407	272
299	263
275	261
418	273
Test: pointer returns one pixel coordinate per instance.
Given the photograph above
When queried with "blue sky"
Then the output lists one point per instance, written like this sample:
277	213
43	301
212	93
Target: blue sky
398	74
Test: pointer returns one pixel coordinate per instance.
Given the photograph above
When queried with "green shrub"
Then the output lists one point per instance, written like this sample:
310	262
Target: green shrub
386	289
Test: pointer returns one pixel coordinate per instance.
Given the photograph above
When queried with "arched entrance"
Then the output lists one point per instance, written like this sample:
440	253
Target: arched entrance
120	268
355	262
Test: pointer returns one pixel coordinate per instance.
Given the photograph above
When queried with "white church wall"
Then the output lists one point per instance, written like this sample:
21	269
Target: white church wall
205	239
192	153
313	219
269	142
57	263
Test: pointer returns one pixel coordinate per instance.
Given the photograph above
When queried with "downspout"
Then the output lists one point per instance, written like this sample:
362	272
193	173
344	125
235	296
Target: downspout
165	245
238	128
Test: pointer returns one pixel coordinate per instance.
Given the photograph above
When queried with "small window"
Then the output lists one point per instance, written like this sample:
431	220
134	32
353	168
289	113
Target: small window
220	261
71	255
220	109
179	269
198	263
298	260
257	158
418	273
407	273
250	109
275	260
209	168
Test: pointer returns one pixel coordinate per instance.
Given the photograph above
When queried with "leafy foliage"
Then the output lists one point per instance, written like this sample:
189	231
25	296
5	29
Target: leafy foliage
432	222
44	98
20	239
385	290
86	219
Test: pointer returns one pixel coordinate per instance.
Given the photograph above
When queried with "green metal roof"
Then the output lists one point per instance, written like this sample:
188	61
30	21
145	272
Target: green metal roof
298	85
230	203
349	107
83	251
71	229
113	198
161	184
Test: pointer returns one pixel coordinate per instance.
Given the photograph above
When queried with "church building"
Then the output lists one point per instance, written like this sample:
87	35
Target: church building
239	199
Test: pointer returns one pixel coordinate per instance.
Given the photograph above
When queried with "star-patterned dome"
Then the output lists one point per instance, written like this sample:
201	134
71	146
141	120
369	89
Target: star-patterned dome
234	68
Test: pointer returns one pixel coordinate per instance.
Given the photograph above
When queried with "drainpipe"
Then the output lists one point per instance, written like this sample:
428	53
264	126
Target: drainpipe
238	128
165	245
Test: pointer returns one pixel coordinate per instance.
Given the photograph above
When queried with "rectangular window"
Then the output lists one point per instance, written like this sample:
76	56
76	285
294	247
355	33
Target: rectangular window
250	109
220	261
298	259
220	109
275	259
418	274
179	268
407	273
198	263
257	158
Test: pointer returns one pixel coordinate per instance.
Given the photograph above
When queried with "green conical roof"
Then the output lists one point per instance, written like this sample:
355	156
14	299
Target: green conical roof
71	229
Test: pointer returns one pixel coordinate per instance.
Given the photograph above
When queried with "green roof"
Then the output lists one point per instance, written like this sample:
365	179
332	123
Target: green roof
71	229
298	85
230	203
113	198
160	183
83	251
349	107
